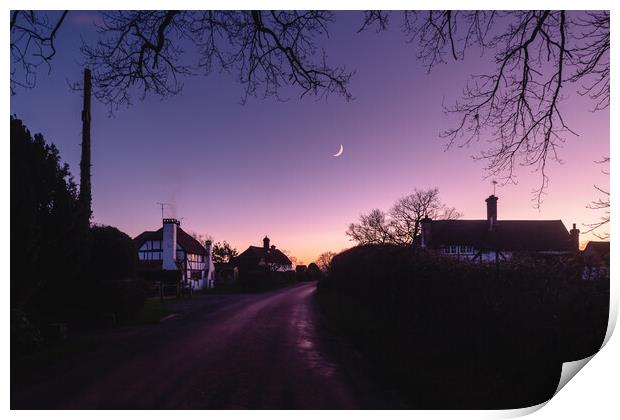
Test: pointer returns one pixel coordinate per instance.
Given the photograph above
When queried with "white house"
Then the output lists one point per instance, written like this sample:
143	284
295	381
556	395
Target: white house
171	248
491	239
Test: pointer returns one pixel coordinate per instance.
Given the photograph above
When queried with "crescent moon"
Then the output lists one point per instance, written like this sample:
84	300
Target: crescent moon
339	151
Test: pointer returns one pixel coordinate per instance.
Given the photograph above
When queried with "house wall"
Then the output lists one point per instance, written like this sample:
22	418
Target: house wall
150	250
469	253
278	267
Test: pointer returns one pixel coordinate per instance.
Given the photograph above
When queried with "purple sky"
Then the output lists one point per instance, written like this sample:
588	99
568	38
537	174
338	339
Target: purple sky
237	172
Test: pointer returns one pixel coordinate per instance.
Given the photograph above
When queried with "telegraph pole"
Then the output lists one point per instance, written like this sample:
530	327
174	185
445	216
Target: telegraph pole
85	186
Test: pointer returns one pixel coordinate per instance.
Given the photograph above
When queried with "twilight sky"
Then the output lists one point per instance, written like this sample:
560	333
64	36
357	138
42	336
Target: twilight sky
237	172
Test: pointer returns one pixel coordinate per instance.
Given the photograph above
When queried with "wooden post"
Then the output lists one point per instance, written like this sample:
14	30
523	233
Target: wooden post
85	187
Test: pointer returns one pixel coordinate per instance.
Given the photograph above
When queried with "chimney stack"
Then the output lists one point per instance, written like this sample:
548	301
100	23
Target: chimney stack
491	211
574	238
426	231
208	245
169	244
266	242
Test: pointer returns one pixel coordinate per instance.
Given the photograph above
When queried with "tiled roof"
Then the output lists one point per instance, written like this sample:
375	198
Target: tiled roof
599	248
507	235
253	255
185	241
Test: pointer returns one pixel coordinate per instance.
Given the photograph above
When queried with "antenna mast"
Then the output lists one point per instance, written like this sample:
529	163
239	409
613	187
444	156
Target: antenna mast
162	208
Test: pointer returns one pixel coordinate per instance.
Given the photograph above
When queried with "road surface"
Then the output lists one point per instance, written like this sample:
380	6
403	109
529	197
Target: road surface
264	351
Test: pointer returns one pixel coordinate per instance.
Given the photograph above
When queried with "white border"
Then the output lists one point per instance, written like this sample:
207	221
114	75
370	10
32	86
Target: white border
592	394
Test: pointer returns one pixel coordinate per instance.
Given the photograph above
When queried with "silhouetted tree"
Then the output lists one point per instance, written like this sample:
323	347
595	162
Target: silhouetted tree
49	245
266	50
33	44
223	252
402	224
202	238
602	203
114	255
324	260
373	228
314	272
110	284
293	259
407	213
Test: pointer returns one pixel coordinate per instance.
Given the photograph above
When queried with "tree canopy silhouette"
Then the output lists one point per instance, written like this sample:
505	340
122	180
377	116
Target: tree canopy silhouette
401	225
223	252
50	244
265	49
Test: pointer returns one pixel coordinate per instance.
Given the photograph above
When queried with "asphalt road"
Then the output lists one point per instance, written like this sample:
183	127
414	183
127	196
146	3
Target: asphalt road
264	351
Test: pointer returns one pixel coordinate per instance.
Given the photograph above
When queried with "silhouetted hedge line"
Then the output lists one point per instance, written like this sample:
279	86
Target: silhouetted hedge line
465	335
259	280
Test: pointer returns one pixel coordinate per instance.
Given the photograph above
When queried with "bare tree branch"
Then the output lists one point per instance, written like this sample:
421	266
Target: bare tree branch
516	108
375	17
402	224
33	37
266	50
602	203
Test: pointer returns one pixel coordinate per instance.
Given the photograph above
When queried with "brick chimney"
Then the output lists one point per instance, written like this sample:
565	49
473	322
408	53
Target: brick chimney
208	246
491	211
574	238
426	231
266	242
169	244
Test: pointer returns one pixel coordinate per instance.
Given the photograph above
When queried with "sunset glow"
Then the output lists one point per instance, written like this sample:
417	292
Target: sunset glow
240	172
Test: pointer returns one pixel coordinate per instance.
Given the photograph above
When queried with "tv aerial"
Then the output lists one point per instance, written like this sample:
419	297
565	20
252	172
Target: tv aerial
162	205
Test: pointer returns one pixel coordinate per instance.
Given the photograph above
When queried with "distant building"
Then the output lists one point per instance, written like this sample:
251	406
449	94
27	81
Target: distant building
267	257
498	240
171	248
596	259
226	275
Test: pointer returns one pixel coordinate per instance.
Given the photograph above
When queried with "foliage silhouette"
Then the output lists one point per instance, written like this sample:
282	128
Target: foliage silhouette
453	334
